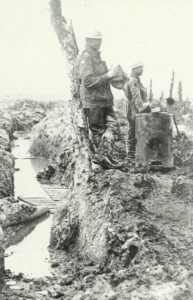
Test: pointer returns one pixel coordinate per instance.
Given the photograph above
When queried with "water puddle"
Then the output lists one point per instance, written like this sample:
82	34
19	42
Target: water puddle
31	255
28	250
25	182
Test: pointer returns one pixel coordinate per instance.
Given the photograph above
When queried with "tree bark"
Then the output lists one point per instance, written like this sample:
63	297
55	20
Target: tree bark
69	47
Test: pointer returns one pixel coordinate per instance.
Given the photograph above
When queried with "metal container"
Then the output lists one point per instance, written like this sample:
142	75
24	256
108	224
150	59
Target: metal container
154	140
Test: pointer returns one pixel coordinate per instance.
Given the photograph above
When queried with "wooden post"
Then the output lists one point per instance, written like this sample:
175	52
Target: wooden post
180	95
161	96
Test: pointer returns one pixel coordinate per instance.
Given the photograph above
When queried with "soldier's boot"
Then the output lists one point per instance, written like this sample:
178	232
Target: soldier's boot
99	156
102	155
103	161
95	138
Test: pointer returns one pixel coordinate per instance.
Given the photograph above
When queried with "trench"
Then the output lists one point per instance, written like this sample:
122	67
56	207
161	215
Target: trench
28	251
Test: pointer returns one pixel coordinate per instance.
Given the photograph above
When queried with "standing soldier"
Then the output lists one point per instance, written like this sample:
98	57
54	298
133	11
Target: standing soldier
137	103
95	91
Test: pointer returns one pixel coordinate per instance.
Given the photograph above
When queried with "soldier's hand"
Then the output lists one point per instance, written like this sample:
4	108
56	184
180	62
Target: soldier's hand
146	107
147	104
115	72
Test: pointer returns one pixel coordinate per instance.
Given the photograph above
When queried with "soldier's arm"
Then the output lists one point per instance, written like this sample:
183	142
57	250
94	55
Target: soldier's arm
87	75
135	93
127	91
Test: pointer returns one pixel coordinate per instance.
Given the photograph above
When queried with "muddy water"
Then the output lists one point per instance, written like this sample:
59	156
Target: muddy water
28	253
27	167
31	255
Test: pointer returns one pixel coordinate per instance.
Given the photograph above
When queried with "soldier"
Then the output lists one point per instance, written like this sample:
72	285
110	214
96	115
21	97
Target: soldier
95	91
137	96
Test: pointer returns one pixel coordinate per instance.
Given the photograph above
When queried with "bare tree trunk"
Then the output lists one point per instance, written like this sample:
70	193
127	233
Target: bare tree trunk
161	96
172	84
69	47
180	95
150	91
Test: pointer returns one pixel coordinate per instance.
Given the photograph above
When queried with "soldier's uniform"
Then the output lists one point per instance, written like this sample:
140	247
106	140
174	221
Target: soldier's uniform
136	95
95	93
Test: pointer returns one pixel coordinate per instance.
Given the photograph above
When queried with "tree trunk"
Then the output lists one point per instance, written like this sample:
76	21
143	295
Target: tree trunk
172	84
69	47
180	95
150	92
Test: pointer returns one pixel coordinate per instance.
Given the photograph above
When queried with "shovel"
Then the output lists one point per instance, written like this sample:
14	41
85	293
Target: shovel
178	133
170	101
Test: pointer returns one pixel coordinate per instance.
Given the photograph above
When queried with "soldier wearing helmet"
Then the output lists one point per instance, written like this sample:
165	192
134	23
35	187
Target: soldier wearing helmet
95	91
137	102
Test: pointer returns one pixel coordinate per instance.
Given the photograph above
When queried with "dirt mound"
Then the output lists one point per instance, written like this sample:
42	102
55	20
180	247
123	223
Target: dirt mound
6	159
6	122
132	237
53	138
4	140
26	113
101	217
6	174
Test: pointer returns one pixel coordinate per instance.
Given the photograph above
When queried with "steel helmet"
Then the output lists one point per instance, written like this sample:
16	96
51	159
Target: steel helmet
136	65
94	34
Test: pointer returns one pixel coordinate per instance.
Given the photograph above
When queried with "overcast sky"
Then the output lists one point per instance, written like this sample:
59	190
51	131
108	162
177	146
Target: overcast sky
157	32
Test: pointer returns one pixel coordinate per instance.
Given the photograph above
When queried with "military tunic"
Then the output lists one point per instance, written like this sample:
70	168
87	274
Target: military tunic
136	95
95	89
95	92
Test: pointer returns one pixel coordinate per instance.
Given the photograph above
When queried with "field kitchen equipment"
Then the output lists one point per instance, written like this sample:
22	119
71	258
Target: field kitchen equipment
154	140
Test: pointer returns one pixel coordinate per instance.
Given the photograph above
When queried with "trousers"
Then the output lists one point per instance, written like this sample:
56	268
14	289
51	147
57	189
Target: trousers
131	138
101	119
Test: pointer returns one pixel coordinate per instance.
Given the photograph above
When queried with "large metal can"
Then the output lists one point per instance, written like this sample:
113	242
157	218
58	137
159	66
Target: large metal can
153	132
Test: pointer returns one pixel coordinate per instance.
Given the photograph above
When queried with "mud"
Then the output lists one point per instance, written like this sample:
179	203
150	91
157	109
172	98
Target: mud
119	234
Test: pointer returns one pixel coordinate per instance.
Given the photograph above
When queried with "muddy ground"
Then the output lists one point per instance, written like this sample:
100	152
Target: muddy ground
161	268
141	220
